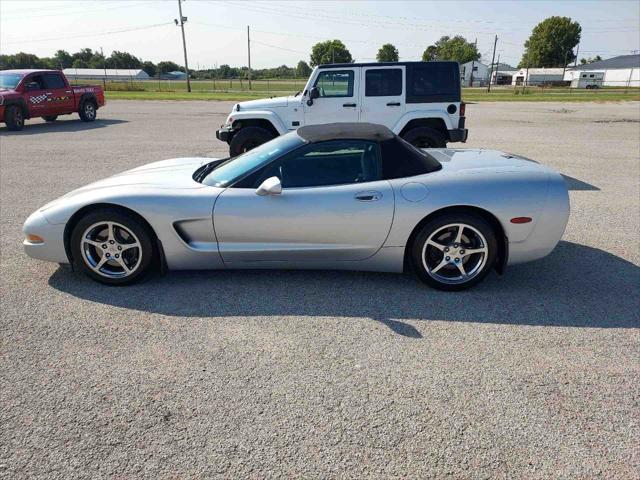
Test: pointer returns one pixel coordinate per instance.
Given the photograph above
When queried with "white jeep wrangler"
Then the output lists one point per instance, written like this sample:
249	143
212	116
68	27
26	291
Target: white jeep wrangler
420	101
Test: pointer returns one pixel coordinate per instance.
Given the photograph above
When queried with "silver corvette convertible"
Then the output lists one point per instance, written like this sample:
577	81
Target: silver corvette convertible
337	196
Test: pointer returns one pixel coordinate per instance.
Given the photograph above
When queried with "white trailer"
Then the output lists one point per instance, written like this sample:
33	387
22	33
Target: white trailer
588	80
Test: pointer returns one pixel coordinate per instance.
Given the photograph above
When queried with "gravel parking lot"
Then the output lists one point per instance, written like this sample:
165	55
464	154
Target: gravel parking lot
258	374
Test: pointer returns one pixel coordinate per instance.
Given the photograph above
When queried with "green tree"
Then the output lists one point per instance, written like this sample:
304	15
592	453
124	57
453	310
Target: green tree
551	43
455	49
123	60
63	59
331	51
303	69
85	55
79	63
150	68
167	66
584	61
387	53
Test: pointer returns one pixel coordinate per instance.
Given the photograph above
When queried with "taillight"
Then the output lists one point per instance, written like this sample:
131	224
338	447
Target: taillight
463	108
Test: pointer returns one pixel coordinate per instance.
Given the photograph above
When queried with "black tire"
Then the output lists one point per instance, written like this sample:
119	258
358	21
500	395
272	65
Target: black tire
248	138
88	110
14	118
425	137
139	259
475	264
50	118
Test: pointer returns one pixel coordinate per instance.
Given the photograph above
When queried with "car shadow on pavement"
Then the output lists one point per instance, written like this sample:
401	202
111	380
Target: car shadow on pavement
62	126
575	286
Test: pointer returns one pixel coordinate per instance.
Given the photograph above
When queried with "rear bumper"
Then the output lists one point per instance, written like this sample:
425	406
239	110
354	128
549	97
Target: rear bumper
458	135
225	133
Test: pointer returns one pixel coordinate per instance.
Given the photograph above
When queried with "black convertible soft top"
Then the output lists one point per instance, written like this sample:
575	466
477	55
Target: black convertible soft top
345	131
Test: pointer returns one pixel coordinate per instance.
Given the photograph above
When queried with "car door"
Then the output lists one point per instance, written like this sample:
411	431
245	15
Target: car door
383	96
333	207
58	93
338	100
36	96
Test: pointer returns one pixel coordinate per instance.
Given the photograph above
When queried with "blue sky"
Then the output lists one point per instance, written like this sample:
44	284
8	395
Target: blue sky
284	31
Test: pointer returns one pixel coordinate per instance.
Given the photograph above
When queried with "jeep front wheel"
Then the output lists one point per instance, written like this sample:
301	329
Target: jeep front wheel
425	137
247	139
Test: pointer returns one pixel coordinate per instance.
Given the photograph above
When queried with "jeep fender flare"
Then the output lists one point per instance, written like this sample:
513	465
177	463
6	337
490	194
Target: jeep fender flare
20	102
419	115
271	117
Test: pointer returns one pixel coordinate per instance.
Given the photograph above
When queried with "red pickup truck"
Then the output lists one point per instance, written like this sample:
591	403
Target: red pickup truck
44	93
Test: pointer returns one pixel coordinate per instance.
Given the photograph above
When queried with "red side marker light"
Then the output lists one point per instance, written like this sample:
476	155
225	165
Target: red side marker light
521	220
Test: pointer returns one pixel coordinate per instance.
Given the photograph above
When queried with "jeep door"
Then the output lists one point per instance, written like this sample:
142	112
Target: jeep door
383	96
339	95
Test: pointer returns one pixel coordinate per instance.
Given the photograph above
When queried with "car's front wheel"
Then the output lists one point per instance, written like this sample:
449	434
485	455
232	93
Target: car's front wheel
112	246
248	138
14	118
454	251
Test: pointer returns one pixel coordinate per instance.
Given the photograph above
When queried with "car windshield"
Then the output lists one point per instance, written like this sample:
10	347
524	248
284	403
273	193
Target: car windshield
9	80
233	169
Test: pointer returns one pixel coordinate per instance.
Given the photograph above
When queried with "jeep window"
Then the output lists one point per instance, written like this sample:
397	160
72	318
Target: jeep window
9	80
335	83
53	80
333	162
433	82
236	168
383	82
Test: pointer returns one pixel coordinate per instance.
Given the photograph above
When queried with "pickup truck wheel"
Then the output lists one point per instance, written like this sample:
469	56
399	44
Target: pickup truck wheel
425	137
14	118
50	118
87	111
248	138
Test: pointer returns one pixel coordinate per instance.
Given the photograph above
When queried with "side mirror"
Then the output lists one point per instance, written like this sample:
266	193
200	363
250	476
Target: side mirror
33	86
313	94
271	186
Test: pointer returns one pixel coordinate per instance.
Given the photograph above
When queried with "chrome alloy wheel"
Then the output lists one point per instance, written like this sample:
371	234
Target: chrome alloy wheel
111	249
455	253
90	110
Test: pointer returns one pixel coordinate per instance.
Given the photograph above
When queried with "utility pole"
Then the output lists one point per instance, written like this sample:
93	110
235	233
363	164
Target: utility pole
104	65
475	44
495	42
184	42
249	55
575	64
564	65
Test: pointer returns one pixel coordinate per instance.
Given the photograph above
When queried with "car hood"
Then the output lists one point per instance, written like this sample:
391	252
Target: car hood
475	160
267	103
176	173
7	92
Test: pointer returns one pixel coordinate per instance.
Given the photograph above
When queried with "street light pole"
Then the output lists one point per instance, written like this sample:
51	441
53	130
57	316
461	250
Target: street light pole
184	43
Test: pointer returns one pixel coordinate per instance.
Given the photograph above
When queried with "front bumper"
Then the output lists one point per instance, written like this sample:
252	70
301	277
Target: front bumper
225	133
51	248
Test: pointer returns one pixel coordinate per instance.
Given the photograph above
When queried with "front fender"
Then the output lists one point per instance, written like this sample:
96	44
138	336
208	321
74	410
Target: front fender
268	115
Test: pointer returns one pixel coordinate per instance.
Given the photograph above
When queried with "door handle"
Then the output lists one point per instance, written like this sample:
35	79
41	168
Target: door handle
393	104
370	196
48	93
348	104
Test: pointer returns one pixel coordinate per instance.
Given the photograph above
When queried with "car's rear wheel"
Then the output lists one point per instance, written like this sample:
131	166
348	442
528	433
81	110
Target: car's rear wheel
425	137
112	247
248	138
50	118
88	111
14	118
454	251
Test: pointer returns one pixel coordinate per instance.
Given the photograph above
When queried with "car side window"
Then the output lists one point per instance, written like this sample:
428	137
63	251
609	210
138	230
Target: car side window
35	79
53	80
335	83
383	82
335	162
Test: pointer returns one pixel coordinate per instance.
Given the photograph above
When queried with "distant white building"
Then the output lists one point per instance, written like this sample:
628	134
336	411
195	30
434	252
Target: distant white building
622	71
538	76
480	74
112	74
502	77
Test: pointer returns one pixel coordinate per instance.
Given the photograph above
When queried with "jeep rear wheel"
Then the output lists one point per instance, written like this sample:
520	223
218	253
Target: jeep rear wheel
14	118
248	138
425	137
